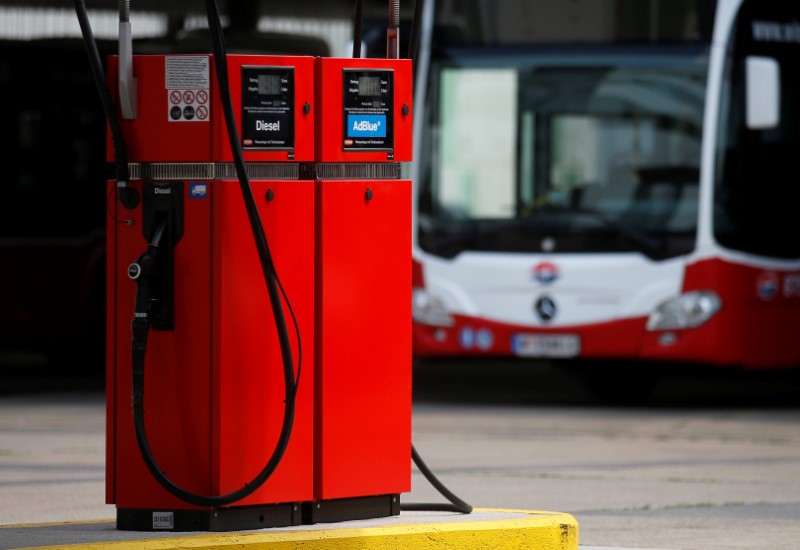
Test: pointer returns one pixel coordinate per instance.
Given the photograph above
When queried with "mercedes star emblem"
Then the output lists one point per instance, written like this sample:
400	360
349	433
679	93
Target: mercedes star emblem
545	308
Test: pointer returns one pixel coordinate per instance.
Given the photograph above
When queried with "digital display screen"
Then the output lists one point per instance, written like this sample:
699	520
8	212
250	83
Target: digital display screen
269	84
369	85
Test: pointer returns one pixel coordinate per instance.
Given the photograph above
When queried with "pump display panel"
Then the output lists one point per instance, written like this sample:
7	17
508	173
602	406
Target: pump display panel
268	108
368	102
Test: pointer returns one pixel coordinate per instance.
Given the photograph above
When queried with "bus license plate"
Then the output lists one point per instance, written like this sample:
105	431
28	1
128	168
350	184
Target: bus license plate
546	345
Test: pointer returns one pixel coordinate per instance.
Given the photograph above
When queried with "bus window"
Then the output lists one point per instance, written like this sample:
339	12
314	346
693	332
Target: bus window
757	193
477	142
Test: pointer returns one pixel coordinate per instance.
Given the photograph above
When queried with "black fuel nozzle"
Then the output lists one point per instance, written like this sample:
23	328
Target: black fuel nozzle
153	272
145	265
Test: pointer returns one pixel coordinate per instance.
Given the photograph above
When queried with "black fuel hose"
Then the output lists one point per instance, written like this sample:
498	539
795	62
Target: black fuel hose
456	504
98	74
127	195
140	323
140	328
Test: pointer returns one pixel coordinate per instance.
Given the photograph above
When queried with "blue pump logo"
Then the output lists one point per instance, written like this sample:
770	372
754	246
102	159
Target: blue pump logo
366	126
373	126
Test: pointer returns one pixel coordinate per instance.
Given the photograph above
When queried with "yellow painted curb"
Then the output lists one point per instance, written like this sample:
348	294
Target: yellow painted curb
535	531
56	523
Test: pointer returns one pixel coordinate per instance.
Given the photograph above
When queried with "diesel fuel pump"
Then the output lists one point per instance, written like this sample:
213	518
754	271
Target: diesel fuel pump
220	435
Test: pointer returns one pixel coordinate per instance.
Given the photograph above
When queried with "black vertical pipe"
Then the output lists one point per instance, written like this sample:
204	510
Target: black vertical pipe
358	23
413	37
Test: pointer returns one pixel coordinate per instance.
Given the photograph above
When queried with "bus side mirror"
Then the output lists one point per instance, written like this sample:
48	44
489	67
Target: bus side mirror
762	92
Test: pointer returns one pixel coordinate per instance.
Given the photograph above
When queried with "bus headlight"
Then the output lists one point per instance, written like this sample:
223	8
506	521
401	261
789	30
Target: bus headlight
688	310
429	310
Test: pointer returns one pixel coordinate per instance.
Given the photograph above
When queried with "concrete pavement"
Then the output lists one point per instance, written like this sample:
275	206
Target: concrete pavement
692	476
52	470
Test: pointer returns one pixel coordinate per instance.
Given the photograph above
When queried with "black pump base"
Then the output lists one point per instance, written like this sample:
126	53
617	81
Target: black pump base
214	519
243	518
345	509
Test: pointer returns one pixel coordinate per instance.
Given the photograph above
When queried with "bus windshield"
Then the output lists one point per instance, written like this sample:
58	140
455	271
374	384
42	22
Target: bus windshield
563	150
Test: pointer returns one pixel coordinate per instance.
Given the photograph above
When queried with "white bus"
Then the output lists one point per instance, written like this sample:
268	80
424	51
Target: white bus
609	180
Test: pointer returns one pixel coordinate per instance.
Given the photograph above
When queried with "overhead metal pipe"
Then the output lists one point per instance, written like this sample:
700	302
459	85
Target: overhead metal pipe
127	82
393	32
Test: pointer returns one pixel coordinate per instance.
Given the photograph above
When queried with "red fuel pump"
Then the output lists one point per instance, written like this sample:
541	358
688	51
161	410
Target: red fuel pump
363	374
213	392
213	423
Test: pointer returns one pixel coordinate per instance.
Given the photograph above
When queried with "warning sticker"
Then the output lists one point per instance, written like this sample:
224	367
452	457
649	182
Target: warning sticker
187	71
188	85
187	106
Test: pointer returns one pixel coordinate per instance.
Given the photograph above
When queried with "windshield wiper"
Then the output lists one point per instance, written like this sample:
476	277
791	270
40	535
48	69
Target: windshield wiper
649	246
451	242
